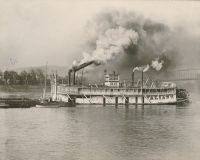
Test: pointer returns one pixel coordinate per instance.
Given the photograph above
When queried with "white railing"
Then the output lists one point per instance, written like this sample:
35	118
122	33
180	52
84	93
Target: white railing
110	91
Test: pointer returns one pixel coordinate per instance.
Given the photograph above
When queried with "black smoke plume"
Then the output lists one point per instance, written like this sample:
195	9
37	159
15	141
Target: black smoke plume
122	40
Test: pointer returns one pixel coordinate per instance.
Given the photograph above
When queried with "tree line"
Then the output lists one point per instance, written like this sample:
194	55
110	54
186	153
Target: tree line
32	77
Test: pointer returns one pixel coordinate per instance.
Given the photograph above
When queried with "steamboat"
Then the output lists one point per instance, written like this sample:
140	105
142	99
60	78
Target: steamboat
113	91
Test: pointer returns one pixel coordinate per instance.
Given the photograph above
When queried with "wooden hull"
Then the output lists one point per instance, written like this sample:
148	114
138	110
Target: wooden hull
48	105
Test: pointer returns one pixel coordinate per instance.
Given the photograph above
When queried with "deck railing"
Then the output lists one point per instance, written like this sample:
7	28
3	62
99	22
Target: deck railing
75	90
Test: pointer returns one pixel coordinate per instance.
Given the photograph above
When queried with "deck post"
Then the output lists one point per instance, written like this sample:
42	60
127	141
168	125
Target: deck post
104	100
126	100
116	100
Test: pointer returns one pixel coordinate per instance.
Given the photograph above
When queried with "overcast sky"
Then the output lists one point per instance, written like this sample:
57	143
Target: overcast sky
35	31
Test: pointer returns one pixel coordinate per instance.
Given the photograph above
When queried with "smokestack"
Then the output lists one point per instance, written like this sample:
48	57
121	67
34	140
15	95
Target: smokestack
74	78
133	79
69	77
74	69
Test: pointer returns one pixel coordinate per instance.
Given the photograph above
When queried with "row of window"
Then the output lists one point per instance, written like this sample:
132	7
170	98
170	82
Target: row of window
160	97
114	84
134	90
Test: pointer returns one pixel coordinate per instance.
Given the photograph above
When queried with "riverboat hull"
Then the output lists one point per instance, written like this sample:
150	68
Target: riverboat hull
117	96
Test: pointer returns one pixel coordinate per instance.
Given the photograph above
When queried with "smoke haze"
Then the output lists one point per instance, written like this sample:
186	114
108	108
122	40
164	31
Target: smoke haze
111	44
122	35
125	40
131	38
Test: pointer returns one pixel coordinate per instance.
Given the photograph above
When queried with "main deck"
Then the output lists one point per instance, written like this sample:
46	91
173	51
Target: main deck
113	95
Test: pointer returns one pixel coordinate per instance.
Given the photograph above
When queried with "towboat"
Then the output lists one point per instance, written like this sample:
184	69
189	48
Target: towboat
114	91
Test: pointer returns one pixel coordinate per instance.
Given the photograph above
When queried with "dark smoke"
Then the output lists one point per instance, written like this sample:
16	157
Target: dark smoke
155	40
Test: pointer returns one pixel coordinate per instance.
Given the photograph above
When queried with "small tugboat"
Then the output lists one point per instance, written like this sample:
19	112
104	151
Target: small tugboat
46	102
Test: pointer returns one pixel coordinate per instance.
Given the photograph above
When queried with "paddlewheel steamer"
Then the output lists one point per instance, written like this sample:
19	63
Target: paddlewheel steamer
113	91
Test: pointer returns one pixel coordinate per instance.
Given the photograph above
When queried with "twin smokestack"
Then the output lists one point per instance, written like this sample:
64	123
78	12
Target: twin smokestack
76	68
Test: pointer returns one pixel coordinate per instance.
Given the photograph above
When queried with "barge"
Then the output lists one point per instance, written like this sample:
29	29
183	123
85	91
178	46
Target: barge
113	91
15	102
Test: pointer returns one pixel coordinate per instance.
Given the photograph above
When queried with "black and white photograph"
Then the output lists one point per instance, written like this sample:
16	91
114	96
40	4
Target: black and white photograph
99	80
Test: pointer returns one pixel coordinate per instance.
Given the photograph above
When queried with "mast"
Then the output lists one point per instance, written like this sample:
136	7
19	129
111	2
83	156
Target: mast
56	84
45	81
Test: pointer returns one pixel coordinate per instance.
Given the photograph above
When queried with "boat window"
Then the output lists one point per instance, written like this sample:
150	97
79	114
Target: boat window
164	97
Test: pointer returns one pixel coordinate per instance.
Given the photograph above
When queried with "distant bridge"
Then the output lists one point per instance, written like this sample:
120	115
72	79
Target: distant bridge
192	74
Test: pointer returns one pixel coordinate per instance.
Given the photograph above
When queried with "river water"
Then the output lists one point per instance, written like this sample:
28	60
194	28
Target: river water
101	133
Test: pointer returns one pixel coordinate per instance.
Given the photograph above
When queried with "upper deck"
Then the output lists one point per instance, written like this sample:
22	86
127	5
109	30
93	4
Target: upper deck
112	91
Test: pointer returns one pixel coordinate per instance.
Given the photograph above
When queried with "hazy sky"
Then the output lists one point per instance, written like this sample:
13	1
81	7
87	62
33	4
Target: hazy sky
35	31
